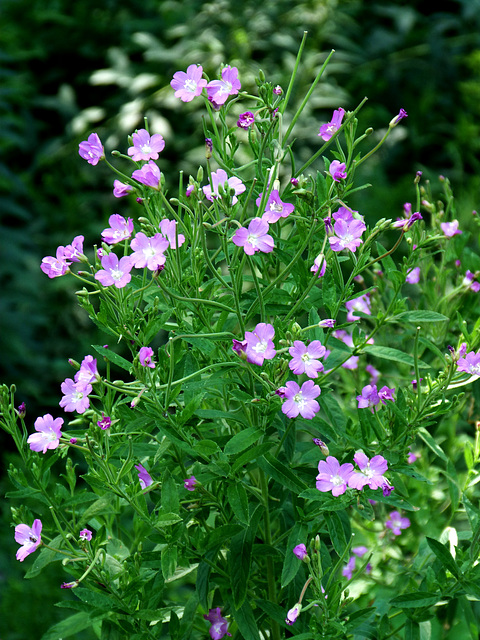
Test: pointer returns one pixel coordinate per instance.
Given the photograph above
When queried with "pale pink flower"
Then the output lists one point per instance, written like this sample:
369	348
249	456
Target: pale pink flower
115	271
29	538
120	189
168	230
305	359
218	178
148	252
91	150
74	398
48	433
259	343
301	400
188	85
148	175
145	356
450	229
361	303
327	130
337	170
274	207
332	476
145	146
219	90
55	267
255	238
120	229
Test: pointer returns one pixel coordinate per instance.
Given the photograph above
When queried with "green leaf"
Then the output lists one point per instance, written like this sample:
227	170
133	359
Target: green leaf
240	559
102	506
95	599
415	600
333	410
336	532
169	561
247	625
170	501
430	442
206	447
281	473
237	499
74	624
412	630
167	519
444	555
291	564
395	355
419	317
113	357
44	557
222	533
242	440
250	455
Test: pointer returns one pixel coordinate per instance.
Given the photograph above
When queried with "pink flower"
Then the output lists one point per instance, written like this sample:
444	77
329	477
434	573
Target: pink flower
369	397
168	229
219	624
412	457
260	345
115	271
148	252
347	235
91	150
346	338
319	265
190	483
245	120
301	400
190	84
328	323
146	147
255	238
29	538
85	534
371	472
450	229
374	373
300	551
337	170
48	433
218	178
306	359
88	373
274	207
327	130
293	614
361	303
333	476
74	398
470	364
148	175
346	214
55	267
74	251
121	189
413	275
120	229
219	90
145	356
144	477
396	523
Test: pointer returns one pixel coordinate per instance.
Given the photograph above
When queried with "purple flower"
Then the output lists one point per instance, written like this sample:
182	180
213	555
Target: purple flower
274	207
145	356
22	410
190	483
168	229
333	476
406	223
148	252
412	457
260	345
371	472
386	394
239	346
327	130
144	477
148	175
255	238
396	523
190	84
470	364
347	235
115	271
346	338
219	90
55	267
120	229
337	170
361	303
74	398
369	397
346	214
85	534
219	624
91	150
300	551
74	251
301	400
450	229
88	373
48	433
401	115
245	120
374	373
29	538
278	90
121	189
189	190
327	323
105	423
322	445
413	275
293	614
218	178
319	265
306	359
69	585
146	147
349	568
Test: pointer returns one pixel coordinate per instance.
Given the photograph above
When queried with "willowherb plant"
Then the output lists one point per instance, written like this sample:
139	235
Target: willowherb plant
249	440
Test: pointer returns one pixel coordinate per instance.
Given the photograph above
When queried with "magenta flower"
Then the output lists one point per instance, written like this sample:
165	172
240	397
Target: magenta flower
274	207
319	265
148	175
219	90
328	323
120	189
300	551
333	476
120	229
55	267
48	433
168	230
413	275
88	373
361	303
190	483
219	624
85	534
346	214
470	363
386	394
91	150
29	538
337	170
144	477
105	422
301	400
401	115
396	523
327	130
148	252
450	229
255	238
259	344
293	614
146	147
371	472
245	120
188	85
218	178
347	235
74	398
145	356
239	346
74	251
369	397
115	271
406	223
306	359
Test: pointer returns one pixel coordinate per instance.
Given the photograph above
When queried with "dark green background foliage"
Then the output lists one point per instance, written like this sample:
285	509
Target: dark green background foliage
69	68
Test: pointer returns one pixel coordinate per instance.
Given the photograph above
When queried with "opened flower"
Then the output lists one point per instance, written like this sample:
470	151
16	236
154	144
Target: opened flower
115	271
305	359
120	229
361	303
219	624
55	267
327	130
168	229
29	538
85	534
301	400
470	363
245	120
396	523
75	396
148	252
450	229
190	84
332	476
259	343
347	235
148	175
371	472
219	90
255	238
91	150
190	483
48	433
145	356
218	178
274	207
145	146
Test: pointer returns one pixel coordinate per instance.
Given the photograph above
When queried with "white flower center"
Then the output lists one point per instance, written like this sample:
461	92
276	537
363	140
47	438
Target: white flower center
337	480
190	85
274	206
260	347
251	239
149	252
347	239
116	274
305	357
146	148
299	400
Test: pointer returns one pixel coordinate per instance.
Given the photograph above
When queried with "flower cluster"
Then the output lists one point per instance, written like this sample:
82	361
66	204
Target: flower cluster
371	396
219	624
336	478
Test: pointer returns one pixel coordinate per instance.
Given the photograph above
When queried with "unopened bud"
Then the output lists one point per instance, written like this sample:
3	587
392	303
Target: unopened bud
208	148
